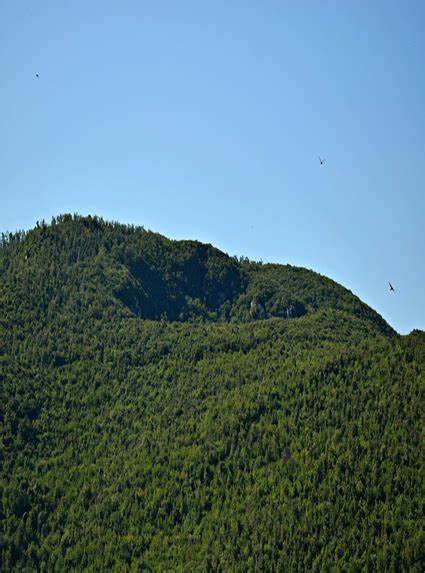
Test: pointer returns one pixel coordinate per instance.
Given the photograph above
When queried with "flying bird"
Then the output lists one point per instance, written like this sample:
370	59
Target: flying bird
322	161
391	286
37	76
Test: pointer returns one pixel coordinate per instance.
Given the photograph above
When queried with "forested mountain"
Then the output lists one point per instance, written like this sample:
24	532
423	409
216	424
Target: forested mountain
166	407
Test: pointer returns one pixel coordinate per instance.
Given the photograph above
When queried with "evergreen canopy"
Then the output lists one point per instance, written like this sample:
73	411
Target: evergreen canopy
166	407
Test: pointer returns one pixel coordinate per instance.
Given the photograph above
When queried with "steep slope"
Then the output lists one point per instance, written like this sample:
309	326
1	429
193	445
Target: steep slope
219	437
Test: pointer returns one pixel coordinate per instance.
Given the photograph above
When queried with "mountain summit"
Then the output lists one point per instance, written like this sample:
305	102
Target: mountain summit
143	273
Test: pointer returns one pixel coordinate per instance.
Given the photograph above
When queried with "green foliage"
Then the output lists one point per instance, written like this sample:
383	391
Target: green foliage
166	407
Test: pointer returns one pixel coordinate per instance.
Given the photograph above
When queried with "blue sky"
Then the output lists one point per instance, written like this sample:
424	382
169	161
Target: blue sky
205	120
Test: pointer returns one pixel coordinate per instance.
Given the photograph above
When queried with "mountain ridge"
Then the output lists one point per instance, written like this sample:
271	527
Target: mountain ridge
154	276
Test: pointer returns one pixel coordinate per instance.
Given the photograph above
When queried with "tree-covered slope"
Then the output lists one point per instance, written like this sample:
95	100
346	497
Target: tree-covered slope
265	420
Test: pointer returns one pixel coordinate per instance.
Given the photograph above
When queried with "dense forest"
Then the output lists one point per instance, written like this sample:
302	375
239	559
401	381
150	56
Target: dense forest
167	407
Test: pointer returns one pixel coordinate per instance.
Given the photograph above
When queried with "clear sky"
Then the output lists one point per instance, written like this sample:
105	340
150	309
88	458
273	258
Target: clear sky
205	119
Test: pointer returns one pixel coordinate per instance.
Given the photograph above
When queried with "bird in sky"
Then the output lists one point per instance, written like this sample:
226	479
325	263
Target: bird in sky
391	286
322	161
37	75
